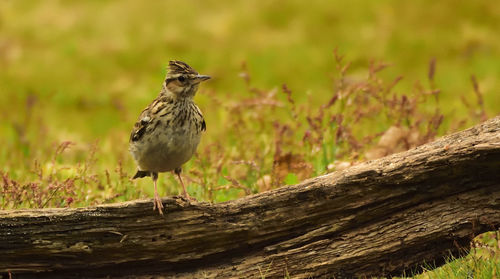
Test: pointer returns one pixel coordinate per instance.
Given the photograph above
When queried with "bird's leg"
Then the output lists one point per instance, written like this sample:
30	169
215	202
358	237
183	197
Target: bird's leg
186	195
157	202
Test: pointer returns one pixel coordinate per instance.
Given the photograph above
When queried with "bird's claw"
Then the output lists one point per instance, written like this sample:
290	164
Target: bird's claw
158	204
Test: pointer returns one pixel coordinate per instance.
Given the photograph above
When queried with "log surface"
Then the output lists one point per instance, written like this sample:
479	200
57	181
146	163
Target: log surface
380	217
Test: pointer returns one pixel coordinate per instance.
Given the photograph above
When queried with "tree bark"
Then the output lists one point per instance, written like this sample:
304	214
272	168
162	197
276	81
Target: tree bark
377	218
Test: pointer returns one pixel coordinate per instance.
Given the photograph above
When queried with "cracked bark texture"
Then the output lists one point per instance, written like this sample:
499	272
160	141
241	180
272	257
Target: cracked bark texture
378	218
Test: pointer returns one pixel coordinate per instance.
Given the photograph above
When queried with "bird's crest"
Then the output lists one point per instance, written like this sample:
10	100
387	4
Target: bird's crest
176	67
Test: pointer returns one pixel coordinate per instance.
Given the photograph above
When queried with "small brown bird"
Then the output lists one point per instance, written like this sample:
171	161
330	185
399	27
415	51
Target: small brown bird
169	129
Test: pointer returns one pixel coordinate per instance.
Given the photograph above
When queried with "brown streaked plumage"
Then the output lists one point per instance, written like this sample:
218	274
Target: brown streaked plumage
168	131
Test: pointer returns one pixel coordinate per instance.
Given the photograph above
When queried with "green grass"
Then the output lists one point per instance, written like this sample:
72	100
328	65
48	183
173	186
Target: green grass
75	76
482	262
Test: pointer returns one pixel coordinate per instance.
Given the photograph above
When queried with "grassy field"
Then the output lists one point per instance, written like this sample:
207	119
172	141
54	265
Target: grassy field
298	89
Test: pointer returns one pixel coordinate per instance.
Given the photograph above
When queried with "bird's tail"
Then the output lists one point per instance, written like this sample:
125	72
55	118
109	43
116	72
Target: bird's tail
140	174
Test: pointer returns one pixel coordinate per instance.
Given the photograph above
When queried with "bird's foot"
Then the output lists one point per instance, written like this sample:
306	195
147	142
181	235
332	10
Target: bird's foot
189	198
158	204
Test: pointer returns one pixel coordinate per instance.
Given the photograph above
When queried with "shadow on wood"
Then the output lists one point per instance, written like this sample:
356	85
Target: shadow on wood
377	218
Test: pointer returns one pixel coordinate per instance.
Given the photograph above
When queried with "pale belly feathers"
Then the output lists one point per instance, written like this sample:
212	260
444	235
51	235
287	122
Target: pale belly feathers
165	149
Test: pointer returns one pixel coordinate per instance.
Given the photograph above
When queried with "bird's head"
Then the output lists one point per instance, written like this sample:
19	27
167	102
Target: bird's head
182	80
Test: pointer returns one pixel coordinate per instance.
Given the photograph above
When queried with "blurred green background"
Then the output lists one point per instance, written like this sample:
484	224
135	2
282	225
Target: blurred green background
81	71
74	76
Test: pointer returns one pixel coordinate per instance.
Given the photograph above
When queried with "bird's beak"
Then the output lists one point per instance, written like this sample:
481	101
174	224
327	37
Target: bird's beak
201	78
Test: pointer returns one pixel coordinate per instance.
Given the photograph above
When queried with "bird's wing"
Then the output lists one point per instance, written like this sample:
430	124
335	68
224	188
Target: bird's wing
160	107
141	125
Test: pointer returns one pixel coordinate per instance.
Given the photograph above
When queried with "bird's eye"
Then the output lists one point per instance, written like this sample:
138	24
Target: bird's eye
181	79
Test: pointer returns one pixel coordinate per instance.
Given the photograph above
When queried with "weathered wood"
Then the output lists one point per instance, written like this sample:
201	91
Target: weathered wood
376	218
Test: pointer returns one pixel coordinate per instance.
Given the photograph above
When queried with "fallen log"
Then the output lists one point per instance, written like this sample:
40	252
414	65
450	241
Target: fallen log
377	218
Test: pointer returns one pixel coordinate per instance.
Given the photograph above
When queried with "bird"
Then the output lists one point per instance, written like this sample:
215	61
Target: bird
168	131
